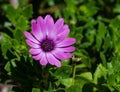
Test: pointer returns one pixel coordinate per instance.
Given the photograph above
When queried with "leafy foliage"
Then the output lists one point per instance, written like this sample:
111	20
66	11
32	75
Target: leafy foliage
95	66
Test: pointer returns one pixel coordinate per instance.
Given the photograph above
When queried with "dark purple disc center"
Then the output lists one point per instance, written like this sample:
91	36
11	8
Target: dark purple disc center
47	45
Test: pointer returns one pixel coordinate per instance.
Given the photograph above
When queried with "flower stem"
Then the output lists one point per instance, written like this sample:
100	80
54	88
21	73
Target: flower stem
74	71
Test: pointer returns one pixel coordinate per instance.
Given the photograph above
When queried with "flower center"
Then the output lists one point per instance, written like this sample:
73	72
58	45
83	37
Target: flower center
47	45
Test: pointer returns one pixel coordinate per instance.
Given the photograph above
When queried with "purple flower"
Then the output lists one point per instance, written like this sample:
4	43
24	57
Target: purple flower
49	42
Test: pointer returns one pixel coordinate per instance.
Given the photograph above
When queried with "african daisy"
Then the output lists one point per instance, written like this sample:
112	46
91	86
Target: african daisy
49	42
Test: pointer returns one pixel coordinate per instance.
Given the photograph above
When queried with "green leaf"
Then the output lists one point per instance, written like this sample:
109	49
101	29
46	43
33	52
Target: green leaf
13	62
100	72
18	35
22	23
86	75
8	68
6	44
108	43
103	58
80	81
12	13
100	35
75	88
117	8
90	36
115	23
63	72
28	11
88	9
101	30
67	82
36	90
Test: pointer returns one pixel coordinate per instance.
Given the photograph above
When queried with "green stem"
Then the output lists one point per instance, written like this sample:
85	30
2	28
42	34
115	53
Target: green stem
74	71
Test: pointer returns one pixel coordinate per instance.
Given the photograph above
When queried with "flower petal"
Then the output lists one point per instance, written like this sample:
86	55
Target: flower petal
36	30
68	55
58	53
63	34
57	62
68	49
31	44
34	51
50	58
66	42
41	24
43	60
50	28
49	22
38	57
53	61
30	37
59	24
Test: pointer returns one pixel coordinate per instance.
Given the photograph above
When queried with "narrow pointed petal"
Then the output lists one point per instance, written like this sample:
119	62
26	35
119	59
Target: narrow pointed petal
36	30
43	60
58	53
59	24
50	58
57	62
38	57
49	23
31	44
50	28
66	42
30	37
42	26
63	34
68	49
34	51
68	55
53	61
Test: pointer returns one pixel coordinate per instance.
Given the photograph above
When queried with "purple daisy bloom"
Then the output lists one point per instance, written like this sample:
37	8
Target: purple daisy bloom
48	41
